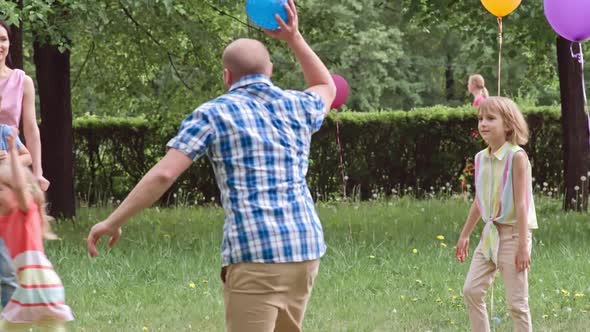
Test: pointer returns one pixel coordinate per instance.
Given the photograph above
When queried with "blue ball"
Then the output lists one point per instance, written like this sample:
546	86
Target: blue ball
262	12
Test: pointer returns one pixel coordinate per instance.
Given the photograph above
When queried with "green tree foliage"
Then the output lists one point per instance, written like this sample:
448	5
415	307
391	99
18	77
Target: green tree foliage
161	58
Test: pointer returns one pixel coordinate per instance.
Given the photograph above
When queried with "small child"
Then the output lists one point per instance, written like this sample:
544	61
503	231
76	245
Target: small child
504	200
23	153
7	273
476	86
39	299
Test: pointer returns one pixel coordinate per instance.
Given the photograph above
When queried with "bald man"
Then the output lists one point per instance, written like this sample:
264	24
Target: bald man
257	137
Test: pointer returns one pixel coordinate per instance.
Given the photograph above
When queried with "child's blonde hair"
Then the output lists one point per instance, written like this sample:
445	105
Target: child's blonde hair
477	81
36	193
518	133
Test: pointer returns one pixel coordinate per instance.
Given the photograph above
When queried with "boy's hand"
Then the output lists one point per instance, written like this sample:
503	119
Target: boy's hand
290	30
462	250
522	259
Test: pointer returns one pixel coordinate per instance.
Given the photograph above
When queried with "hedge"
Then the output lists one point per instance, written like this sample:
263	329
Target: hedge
384	152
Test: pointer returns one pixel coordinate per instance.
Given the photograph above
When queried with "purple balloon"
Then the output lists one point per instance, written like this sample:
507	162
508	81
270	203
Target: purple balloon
569	18
342	91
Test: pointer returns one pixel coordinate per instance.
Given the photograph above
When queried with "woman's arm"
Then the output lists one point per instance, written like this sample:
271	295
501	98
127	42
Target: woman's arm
30	127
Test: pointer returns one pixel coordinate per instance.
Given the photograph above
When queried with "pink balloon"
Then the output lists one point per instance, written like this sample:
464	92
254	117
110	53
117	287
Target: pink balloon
342	91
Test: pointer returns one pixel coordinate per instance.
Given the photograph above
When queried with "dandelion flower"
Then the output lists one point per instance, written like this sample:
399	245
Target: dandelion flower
192	285
414	251
442	244
578	295
145	328
440	237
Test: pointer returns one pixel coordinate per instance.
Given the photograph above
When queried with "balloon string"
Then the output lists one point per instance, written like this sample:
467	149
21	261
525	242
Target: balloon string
580	58
499	52
499	81
342	173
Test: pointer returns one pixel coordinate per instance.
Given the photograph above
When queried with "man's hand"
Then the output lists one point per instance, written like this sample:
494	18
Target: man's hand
290	30
97	231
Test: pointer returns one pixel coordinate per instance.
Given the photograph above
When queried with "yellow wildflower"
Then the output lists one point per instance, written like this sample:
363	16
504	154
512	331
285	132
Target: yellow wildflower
440	237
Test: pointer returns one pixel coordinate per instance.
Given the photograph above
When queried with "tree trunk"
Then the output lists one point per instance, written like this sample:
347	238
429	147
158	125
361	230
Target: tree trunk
53	79
449	79
574	122
16	41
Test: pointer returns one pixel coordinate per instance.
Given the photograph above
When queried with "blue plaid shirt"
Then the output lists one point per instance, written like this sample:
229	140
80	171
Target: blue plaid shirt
257	137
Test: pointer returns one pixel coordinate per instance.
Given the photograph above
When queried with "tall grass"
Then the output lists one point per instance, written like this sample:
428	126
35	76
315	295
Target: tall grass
387	268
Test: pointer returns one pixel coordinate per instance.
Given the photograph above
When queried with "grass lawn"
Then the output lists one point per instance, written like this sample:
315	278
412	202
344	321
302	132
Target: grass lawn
164	274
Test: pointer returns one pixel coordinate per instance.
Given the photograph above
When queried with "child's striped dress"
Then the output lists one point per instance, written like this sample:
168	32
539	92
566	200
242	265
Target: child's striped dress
40	294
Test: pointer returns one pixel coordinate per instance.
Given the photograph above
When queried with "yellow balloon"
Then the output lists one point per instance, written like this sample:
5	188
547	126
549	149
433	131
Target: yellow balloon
501	8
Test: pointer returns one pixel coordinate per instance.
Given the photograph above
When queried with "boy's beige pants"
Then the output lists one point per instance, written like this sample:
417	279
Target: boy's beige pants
267	297
481	275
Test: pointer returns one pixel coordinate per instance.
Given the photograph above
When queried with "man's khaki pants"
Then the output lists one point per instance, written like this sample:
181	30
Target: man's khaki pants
267	297
481	275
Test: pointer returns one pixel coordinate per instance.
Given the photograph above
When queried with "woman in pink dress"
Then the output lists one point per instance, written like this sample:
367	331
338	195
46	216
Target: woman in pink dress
476	86
18	100
39	299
